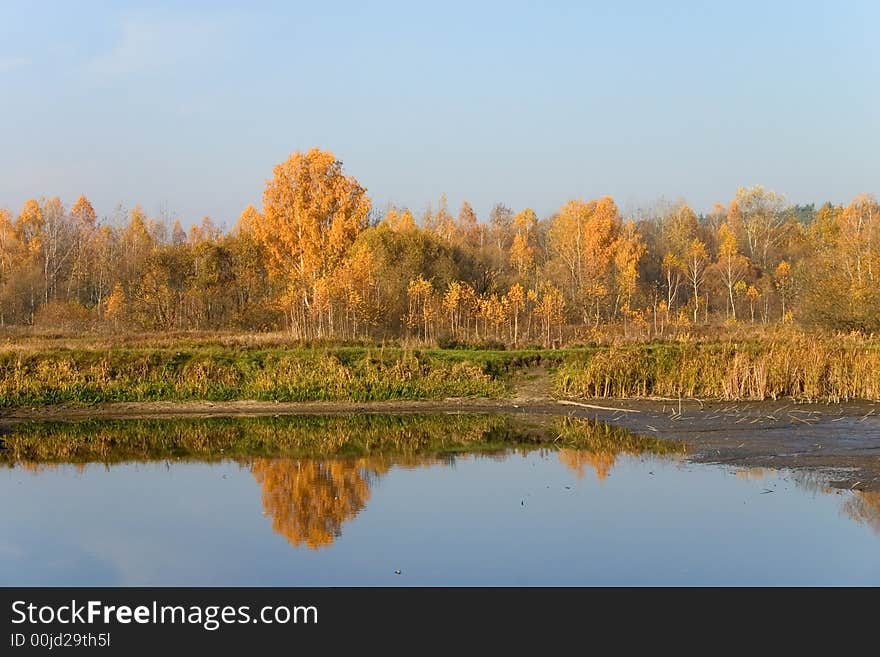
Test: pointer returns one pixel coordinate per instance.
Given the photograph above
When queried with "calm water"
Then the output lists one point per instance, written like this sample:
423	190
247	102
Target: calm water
520	517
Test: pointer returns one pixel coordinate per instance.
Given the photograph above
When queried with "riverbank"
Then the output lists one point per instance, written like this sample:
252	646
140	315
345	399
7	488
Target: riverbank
221	373
800	367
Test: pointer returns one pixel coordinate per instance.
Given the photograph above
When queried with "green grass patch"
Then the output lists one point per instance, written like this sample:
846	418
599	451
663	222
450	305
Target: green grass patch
220	373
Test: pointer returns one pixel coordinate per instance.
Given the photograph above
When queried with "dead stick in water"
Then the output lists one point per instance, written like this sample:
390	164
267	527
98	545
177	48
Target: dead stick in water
598	408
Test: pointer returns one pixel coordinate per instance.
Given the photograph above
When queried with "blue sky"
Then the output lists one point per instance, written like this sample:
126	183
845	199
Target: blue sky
190	105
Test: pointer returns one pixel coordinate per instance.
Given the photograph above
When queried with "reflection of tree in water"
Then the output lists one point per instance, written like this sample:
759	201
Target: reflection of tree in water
577	460
309	500
35	467
864	506
753	473
597	445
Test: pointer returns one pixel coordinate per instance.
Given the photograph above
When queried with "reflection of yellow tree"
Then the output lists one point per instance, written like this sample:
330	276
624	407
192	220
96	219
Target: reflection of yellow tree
864	506
597	444
35	467
576	460
310	500
753	473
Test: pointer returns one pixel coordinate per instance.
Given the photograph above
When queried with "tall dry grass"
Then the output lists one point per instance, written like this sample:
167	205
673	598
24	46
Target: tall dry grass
801	367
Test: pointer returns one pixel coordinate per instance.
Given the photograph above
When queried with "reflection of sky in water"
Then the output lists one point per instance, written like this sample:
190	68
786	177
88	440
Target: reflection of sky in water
523	519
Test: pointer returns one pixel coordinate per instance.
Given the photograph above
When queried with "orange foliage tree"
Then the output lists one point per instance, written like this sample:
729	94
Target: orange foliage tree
312	213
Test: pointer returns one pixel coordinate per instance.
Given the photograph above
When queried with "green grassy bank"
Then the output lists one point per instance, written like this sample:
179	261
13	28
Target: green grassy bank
799	366
217	373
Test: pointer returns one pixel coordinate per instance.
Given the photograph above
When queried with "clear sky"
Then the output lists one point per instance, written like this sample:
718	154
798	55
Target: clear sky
526	103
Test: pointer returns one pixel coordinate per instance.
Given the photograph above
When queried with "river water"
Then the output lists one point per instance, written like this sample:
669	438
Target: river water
518	515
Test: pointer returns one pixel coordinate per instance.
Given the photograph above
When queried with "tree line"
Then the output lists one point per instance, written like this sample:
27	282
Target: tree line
318	260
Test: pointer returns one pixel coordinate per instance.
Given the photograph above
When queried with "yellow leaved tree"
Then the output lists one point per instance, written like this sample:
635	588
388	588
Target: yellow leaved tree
312	213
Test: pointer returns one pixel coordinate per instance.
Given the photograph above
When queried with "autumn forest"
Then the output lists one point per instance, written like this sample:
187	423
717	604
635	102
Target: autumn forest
319	261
